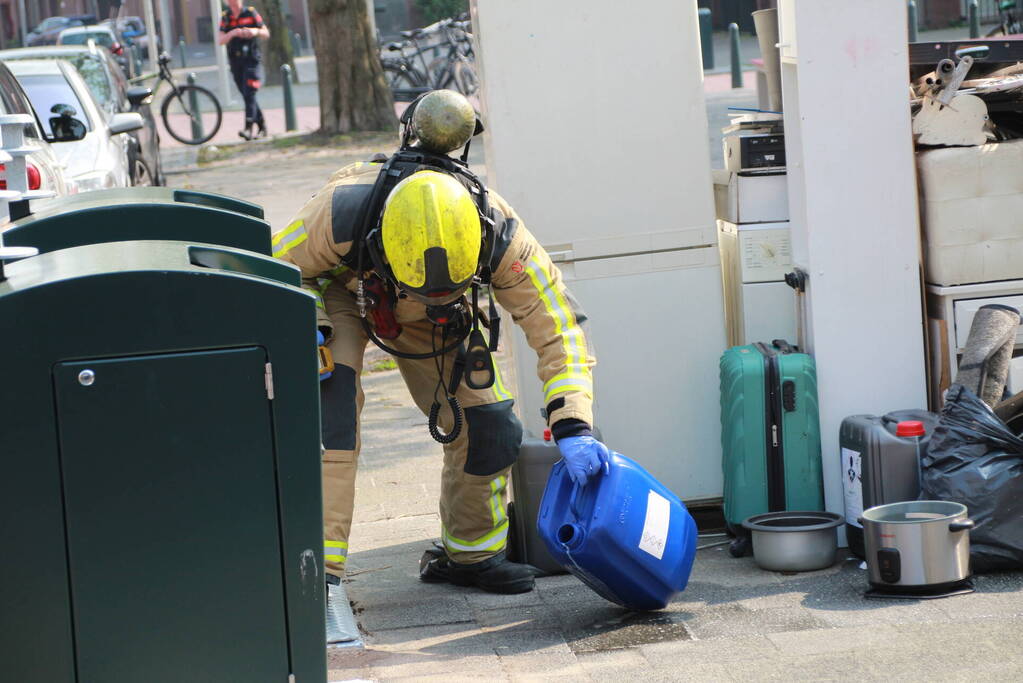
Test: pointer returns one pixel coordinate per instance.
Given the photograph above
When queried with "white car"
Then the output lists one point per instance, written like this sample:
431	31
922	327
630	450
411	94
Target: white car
98	35
63	102
45	172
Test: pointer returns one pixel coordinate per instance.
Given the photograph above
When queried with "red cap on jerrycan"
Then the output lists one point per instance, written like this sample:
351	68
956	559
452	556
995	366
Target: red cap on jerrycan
547	435
910	428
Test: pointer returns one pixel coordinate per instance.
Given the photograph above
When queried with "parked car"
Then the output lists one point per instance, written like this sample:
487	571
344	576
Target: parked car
45	171
114	95
48	29
133	30
103	36
99	159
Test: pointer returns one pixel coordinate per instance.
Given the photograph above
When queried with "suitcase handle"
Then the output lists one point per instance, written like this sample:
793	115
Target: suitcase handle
783	346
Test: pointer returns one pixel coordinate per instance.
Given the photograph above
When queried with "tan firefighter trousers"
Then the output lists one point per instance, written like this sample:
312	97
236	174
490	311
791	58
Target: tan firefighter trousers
475	473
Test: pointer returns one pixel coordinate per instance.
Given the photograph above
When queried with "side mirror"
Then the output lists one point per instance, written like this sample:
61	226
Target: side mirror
66	129
125	123
139	95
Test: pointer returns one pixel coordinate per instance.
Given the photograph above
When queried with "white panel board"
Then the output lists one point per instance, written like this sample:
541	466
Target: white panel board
853	204
596	126
659	335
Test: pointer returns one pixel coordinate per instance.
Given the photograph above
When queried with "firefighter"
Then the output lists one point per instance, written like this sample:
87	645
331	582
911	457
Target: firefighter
241	30
397	252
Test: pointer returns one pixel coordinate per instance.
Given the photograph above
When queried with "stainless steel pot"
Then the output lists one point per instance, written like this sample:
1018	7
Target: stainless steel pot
794	541
921	544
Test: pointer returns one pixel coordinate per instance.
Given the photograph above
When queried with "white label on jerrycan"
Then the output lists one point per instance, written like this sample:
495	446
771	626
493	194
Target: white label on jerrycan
655	527
852	485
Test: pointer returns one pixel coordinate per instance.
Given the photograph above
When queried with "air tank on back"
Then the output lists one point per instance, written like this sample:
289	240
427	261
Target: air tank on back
443	121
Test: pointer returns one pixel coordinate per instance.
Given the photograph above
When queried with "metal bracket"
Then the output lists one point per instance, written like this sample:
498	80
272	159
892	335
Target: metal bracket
268	379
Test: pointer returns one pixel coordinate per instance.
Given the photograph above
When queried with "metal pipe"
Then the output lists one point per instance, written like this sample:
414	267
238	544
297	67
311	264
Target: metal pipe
706	37
733	38
181	51
973	11
226	94
911	9
290	122
194	115
151	36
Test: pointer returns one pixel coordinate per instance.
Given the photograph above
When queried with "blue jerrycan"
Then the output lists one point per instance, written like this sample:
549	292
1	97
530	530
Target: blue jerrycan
624	534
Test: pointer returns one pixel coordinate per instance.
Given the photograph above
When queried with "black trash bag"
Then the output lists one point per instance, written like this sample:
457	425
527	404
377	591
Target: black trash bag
975	460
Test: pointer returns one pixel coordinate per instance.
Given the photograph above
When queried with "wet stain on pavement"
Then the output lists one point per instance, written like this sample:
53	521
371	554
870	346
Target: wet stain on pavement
627	629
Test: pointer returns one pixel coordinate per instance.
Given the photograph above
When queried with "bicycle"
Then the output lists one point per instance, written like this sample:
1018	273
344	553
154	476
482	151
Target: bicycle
1010	24
454	69
190	113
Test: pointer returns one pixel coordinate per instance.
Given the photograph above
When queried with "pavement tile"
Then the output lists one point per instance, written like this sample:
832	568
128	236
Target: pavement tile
407	665
510	641
734	621
524	617
345	663
724	651
613	664
826	641
450	640
622	629
553	666
481	600
382	616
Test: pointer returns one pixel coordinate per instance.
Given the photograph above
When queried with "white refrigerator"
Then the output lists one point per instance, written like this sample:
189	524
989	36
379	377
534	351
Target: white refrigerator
597	135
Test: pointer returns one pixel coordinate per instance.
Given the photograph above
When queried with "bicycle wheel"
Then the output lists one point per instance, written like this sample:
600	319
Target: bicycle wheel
442	74
466	80
399	76
191	115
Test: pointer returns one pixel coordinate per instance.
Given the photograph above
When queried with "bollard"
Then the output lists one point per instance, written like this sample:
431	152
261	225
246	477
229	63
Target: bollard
193	110
296	44
974	14
733	38
289	102
181	51
706	38
911	9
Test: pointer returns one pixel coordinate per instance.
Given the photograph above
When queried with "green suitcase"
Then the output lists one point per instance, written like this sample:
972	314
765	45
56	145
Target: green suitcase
770	434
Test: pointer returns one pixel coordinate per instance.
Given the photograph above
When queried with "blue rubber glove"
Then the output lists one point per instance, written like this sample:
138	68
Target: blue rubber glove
584	456
320	340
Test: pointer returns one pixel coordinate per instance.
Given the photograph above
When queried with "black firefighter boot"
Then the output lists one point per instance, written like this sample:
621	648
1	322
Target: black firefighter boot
495	574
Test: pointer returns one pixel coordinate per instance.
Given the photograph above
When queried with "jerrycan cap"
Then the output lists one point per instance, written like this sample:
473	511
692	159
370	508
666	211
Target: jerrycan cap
547	436
910	428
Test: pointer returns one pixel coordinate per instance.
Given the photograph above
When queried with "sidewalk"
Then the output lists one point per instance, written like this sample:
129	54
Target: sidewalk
734	621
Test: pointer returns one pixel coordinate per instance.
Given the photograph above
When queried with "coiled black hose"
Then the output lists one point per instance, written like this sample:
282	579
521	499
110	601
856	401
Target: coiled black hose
456	429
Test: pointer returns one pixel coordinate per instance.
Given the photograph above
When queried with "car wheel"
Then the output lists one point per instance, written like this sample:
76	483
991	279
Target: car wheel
141	175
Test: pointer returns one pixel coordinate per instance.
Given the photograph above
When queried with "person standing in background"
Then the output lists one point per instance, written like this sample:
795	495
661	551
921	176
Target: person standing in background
241	29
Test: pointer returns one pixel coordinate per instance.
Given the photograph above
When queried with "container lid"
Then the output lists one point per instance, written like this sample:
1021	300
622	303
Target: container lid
547	435
910	428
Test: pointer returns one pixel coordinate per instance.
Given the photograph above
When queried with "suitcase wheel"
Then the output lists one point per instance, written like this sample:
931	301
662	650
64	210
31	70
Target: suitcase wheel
740	547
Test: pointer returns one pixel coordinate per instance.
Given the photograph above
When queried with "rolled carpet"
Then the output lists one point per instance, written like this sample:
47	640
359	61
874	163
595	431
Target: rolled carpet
985	363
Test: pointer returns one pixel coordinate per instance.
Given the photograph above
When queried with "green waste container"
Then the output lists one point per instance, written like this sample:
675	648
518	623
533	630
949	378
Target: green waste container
164	194
160	494
72	222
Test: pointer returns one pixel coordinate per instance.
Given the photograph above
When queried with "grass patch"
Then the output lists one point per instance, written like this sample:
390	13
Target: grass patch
209	154
382	365
319	140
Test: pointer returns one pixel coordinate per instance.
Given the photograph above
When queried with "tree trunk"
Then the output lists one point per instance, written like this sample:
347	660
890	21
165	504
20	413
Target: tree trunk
277	49
353	93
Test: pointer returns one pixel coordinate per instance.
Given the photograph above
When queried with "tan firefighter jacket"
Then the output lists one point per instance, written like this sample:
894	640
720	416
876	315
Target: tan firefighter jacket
525	282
